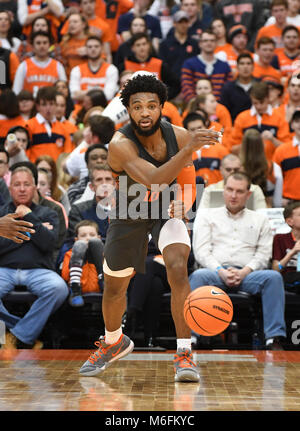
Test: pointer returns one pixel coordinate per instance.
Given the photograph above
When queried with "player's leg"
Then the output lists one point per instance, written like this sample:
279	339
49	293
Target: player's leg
174	243
115	344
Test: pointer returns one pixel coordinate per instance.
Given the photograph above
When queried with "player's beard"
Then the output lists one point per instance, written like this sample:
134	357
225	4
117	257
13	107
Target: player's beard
148	132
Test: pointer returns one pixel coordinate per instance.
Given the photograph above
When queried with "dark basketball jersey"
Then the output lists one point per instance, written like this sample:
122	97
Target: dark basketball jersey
133	200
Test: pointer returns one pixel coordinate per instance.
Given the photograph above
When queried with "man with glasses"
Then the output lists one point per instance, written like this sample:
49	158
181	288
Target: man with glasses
231	164
205	65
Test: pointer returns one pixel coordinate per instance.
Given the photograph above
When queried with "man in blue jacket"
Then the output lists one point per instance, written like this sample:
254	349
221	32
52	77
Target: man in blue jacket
30	263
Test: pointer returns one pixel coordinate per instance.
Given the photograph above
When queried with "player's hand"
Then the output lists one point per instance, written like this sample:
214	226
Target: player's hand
203	137
11	228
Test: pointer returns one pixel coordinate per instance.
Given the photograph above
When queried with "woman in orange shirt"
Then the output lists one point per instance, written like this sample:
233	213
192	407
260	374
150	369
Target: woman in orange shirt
72	46
9	113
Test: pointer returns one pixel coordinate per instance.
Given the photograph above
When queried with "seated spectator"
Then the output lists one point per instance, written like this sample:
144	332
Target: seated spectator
244	266
7	39
235	94
142	59
17	147
73	49
279	10
232	164
9	113
266	174
56	192
60	114
207	159
178	46
286	248
53	10
97	208
26	104
30	263
47	135
287	157
218	28
252	17
261	116
205	65
200	16
238	39
63	88
99	131
265	52
93	98
96	72
137	25
103	175
40	70
276	91
140	8
293	16
48	203
43	187
4	164
98	26
218	114
284	57
289	106
82	265
25	49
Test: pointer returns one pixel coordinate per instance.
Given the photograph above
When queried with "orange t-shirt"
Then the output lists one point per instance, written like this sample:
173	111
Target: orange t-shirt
8	123
272	31
97	26
69	53
171	114
259	72
153	65
110	11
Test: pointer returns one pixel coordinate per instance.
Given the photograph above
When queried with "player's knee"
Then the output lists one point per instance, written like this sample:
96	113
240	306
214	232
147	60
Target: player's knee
177	271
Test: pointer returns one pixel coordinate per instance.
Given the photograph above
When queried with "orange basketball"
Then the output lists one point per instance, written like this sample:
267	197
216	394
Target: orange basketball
208	310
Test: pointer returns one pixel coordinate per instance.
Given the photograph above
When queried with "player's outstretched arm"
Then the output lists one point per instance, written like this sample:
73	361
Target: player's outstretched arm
123	156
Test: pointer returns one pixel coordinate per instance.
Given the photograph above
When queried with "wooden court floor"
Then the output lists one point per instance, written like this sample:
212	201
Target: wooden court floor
48	380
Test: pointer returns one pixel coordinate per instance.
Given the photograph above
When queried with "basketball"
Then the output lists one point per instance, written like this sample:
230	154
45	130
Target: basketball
208	310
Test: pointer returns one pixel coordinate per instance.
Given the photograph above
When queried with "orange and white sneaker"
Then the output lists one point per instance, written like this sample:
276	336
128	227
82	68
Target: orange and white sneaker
185	369
106	355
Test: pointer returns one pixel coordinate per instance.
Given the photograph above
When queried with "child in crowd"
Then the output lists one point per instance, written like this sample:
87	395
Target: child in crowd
82	265
286	248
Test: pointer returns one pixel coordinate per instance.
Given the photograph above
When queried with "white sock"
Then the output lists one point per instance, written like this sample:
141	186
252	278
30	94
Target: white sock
269	341
112	337
184	343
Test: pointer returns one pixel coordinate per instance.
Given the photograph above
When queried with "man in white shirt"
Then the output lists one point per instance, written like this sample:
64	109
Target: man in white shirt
95	73
230	164
233	245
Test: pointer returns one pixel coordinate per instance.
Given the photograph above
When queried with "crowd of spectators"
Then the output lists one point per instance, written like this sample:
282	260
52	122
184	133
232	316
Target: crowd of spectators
228	64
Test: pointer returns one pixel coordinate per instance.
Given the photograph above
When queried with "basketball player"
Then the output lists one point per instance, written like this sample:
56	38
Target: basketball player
147	152
11	228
